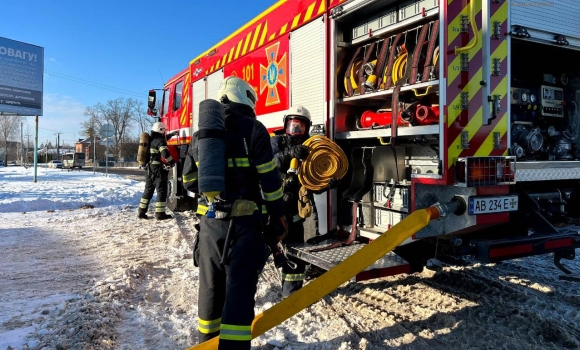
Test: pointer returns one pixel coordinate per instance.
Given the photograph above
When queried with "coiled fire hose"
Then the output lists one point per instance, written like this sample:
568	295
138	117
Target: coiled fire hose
325	161
399	67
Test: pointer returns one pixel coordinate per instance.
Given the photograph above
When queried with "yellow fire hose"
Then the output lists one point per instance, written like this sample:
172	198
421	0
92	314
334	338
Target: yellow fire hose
341	273
353	75
326	160
399	67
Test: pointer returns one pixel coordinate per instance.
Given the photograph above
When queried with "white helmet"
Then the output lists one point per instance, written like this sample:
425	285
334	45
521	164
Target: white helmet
159	127
301	113
237	90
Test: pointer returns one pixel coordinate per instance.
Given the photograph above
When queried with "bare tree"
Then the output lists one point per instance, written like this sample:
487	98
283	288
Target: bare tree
9	127
121	113
144	121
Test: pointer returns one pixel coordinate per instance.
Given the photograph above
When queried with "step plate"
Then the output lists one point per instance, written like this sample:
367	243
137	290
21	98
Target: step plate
389	265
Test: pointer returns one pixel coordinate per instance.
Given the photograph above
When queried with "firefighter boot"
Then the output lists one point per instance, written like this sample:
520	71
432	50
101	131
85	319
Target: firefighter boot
162	216
142	214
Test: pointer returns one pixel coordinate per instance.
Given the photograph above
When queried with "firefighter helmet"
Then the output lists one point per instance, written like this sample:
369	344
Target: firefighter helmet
159	127
297	112
238	91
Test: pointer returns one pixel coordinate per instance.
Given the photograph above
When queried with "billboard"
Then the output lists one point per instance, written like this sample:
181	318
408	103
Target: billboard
21	77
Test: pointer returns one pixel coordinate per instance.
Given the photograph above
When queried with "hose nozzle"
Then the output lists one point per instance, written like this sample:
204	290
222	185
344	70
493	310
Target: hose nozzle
456	206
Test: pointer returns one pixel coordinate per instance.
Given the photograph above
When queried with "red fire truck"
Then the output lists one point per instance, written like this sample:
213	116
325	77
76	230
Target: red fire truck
474	101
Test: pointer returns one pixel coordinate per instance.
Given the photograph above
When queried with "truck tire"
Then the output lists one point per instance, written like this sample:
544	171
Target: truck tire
176	204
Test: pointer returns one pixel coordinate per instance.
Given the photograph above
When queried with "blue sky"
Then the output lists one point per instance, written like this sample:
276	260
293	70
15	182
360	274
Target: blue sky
95	51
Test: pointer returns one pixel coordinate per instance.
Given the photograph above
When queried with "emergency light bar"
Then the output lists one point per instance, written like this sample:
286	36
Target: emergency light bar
485	171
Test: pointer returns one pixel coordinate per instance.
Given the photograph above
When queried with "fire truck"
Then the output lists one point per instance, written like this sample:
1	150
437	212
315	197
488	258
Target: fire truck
474	102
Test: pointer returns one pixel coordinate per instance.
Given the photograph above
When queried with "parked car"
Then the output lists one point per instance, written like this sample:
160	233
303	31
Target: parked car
55	164
1	162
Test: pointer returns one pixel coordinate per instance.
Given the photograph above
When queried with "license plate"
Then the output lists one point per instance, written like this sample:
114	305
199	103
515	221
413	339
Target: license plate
490	205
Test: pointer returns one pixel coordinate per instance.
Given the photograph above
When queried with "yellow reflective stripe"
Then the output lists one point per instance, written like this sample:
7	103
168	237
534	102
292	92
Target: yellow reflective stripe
240	162
266	167
207	327
272	196
160	207
197	164
234	332
170	158
201	209
189	177
293	277
264	209
153	150
155	162
162	148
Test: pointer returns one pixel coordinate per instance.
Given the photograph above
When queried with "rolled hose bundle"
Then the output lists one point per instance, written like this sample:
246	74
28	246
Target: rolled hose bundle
325	161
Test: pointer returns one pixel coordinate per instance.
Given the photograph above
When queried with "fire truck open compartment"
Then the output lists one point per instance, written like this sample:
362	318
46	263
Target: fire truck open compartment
545	95
383	57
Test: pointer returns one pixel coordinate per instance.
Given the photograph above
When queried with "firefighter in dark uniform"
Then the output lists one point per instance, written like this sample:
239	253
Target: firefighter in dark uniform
157	172
227	290
287	146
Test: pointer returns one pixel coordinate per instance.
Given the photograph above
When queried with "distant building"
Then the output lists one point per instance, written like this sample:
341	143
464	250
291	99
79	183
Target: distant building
84	146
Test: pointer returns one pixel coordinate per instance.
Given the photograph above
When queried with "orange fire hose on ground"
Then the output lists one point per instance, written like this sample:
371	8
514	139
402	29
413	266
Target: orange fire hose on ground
343	272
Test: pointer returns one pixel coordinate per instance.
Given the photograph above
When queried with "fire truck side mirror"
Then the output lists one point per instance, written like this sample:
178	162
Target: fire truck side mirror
151	103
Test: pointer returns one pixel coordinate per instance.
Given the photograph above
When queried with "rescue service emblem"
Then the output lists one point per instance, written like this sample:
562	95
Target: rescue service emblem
276	72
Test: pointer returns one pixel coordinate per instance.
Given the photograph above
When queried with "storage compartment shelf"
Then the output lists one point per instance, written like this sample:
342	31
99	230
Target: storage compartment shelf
358	99
398	25
386	132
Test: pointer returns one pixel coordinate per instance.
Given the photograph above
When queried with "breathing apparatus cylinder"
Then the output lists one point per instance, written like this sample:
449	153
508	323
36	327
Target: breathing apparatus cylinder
211	151
143	147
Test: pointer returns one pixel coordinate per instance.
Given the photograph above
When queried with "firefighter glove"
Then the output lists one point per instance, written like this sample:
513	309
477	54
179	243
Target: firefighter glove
299	151
276	230
171	134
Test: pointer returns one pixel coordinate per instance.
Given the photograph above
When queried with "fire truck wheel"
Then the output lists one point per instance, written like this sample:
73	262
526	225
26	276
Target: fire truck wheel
176	204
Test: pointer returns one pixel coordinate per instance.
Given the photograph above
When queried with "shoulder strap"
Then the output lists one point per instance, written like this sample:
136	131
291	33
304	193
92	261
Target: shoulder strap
211	133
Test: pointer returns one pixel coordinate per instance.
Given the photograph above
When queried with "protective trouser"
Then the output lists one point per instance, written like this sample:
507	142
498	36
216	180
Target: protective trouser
293	279
156	180
226	292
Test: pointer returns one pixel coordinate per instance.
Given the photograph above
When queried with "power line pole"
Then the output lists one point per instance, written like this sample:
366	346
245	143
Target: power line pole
58	145
27	146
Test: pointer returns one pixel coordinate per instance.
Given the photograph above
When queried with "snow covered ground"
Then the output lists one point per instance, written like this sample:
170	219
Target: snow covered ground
79	270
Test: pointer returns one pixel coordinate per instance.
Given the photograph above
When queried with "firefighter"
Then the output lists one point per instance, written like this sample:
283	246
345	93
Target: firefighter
157	172
228	278
286	146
